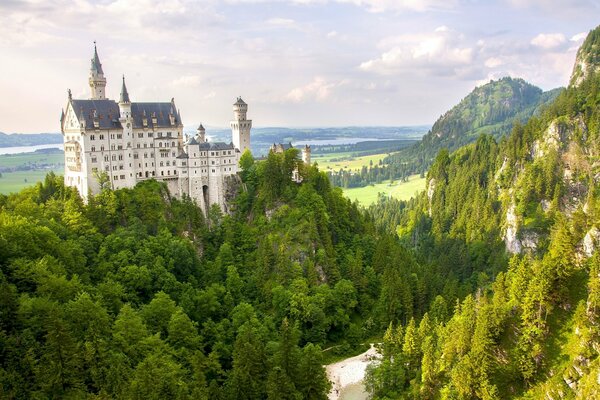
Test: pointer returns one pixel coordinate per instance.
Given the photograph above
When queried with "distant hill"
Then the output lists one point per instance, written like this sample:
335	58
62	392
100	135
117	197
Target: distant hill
20	139
491	109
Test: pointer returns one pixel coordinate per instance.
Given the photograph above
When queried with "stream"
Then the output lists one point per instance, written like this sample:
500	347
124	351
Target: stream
347	376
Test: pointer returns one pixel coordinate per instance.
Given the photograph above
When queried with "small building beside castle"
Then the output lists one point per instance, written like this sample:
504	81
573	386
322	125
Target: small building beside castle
128	142
278	148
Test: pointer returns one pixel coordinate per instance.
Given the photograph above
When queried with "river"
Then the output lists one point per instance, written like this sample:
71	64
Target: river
347	376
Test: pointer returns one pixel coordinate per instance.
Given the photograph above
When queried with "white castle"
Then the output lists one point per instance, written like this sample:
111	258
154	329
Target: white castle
124	142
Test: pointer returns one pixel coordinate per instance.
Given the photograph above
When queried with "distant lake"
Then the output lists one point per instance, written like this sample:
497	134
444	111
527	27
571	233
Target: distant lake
29	149
342	140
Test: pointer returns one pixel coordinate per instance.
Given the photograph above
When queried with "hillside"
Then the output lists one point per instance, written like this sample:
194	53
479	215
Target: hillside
491	109
19	139
518	218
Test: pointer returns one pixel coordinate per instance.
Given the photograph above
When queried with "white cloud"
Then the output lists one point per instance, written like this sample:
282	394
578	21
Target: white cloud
187	81
442	52
549	40
281	21
319	89
493	62
579	37
378	6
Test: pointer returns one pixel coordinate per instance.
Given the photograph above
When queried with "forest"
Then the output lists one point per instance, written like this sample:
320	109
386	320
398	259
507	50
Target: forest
530	326
137	295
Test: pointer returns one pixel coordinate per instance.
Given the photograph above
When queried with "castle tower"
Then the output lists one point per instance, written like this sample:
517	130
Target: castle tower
240	126
97	80
124	102
201	134
306	154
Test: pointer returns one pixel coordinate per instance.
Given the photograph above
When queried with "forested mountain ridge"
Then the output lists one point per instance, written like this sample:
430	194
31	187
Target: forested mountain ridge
491	108
533	330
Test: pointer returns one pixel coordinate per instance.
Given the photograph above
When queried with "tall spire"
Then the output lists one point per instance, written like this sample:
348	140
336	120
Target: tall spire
97	80
124	95
96	65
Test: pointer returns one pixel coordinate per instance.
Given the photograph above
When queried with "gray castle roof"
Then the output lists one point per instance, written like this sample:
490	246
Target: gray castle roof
108	113
216	146
239	101
106	110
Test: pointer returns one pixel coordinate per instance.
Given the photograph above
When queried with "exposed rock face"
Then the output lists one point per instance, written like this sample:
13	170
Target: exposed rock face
587	61
590	241
513	244
232	187
430	192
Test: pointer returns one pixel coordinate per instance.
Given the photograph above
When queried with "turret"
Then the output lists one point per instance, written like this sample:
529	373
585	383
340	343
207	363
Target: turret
201	134
97	80
240	126
124	102
306	154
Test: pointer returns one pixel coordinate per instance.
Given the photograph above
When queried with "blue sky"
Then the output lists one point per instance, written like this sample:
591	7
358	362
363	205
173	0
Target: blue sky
297	62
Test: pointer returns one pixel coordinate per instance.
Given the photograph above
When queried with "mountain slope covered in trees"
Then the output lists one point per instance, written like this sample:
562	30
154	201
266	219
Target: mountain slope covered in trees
491	109
526	208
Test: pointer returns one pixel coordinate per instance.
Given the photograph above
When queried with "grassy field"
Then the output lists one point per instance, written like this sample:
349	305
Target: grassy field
14	160
12	182
400	190
43	163
345	160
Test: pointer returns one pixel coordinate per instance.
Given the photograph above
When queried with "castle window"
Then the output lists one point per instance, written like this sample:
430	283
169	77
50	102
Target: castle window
160	144
112	146
168	134
141	134
114	157
101	148
159	134
94	169
120	147
112	135
135	156
173	154
105	158
213	171
92	137
213	162
161	164
150	134
93	148
138	145
94	159
106	168
122	176
172	143
115	177
168	164
162	173
119	136
145	145
101	137
120	157
212	153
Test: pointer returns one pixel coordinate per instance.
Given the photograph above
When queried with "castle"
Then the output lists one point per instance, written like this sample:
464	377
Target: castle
122	143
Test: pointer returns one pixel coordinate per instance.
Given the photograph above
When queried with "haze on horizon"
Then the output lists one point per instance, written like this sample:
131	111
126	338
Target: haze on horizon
296	62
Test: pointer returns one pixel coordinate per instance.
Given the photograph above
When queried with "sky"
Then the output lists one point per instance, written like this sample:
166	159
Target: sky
297	63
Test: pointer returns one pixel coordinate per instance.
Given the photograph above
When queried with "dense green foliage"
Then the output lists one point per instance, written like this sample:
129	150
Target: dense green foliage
533	330
138	295
491	109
